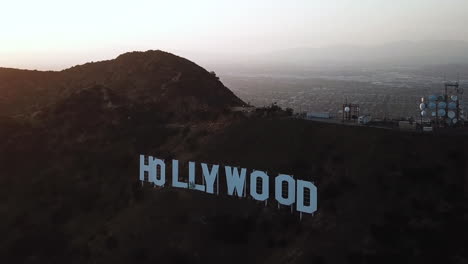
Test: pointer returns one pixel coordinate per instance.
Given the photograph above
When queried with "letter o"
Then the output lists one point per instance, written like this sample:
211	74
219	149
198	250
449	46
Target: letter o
253	185
279	189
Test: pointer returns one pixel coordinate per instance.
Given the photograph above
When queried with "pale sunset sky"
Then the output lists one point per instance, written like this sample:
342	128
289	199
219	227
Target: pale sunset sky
56	34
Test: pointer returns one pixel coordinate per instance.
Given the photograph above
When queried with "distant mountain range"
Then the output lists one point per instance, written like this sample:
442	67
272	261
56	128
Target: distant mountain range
403	53
398	53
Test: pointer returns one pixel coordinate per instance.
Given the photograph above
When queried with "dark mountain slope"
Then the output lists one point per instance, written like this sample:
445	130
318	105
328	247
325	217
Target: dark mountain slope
23	91
383	197
155	76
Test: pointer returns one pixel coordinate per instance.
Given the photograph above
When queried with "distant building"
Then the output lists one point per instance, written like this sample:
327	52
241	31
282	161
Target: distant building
314	115
364	119
427	129
407	125
245	109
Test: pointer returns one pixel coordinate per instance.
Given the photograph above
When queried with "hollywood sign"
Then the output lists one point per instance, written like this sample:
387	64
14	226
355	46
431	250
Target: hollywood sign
287	190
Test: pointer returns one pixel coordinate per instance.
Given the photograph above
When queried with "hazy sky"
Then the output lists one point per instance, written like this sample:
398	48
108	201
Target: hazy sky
51	34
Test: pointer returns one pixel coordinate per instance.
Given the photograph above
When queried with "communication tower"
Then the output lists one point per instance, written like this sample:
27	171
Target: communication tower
350	111
444	110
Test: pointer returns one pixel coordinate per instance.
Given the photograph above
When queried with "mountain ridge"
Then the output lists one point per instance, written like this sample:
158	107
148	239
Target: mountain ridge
151	76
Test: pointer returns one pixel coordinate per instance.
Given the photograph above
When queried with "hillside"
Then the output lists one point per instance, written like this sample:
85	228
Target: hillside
70	193
153	77
383	197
